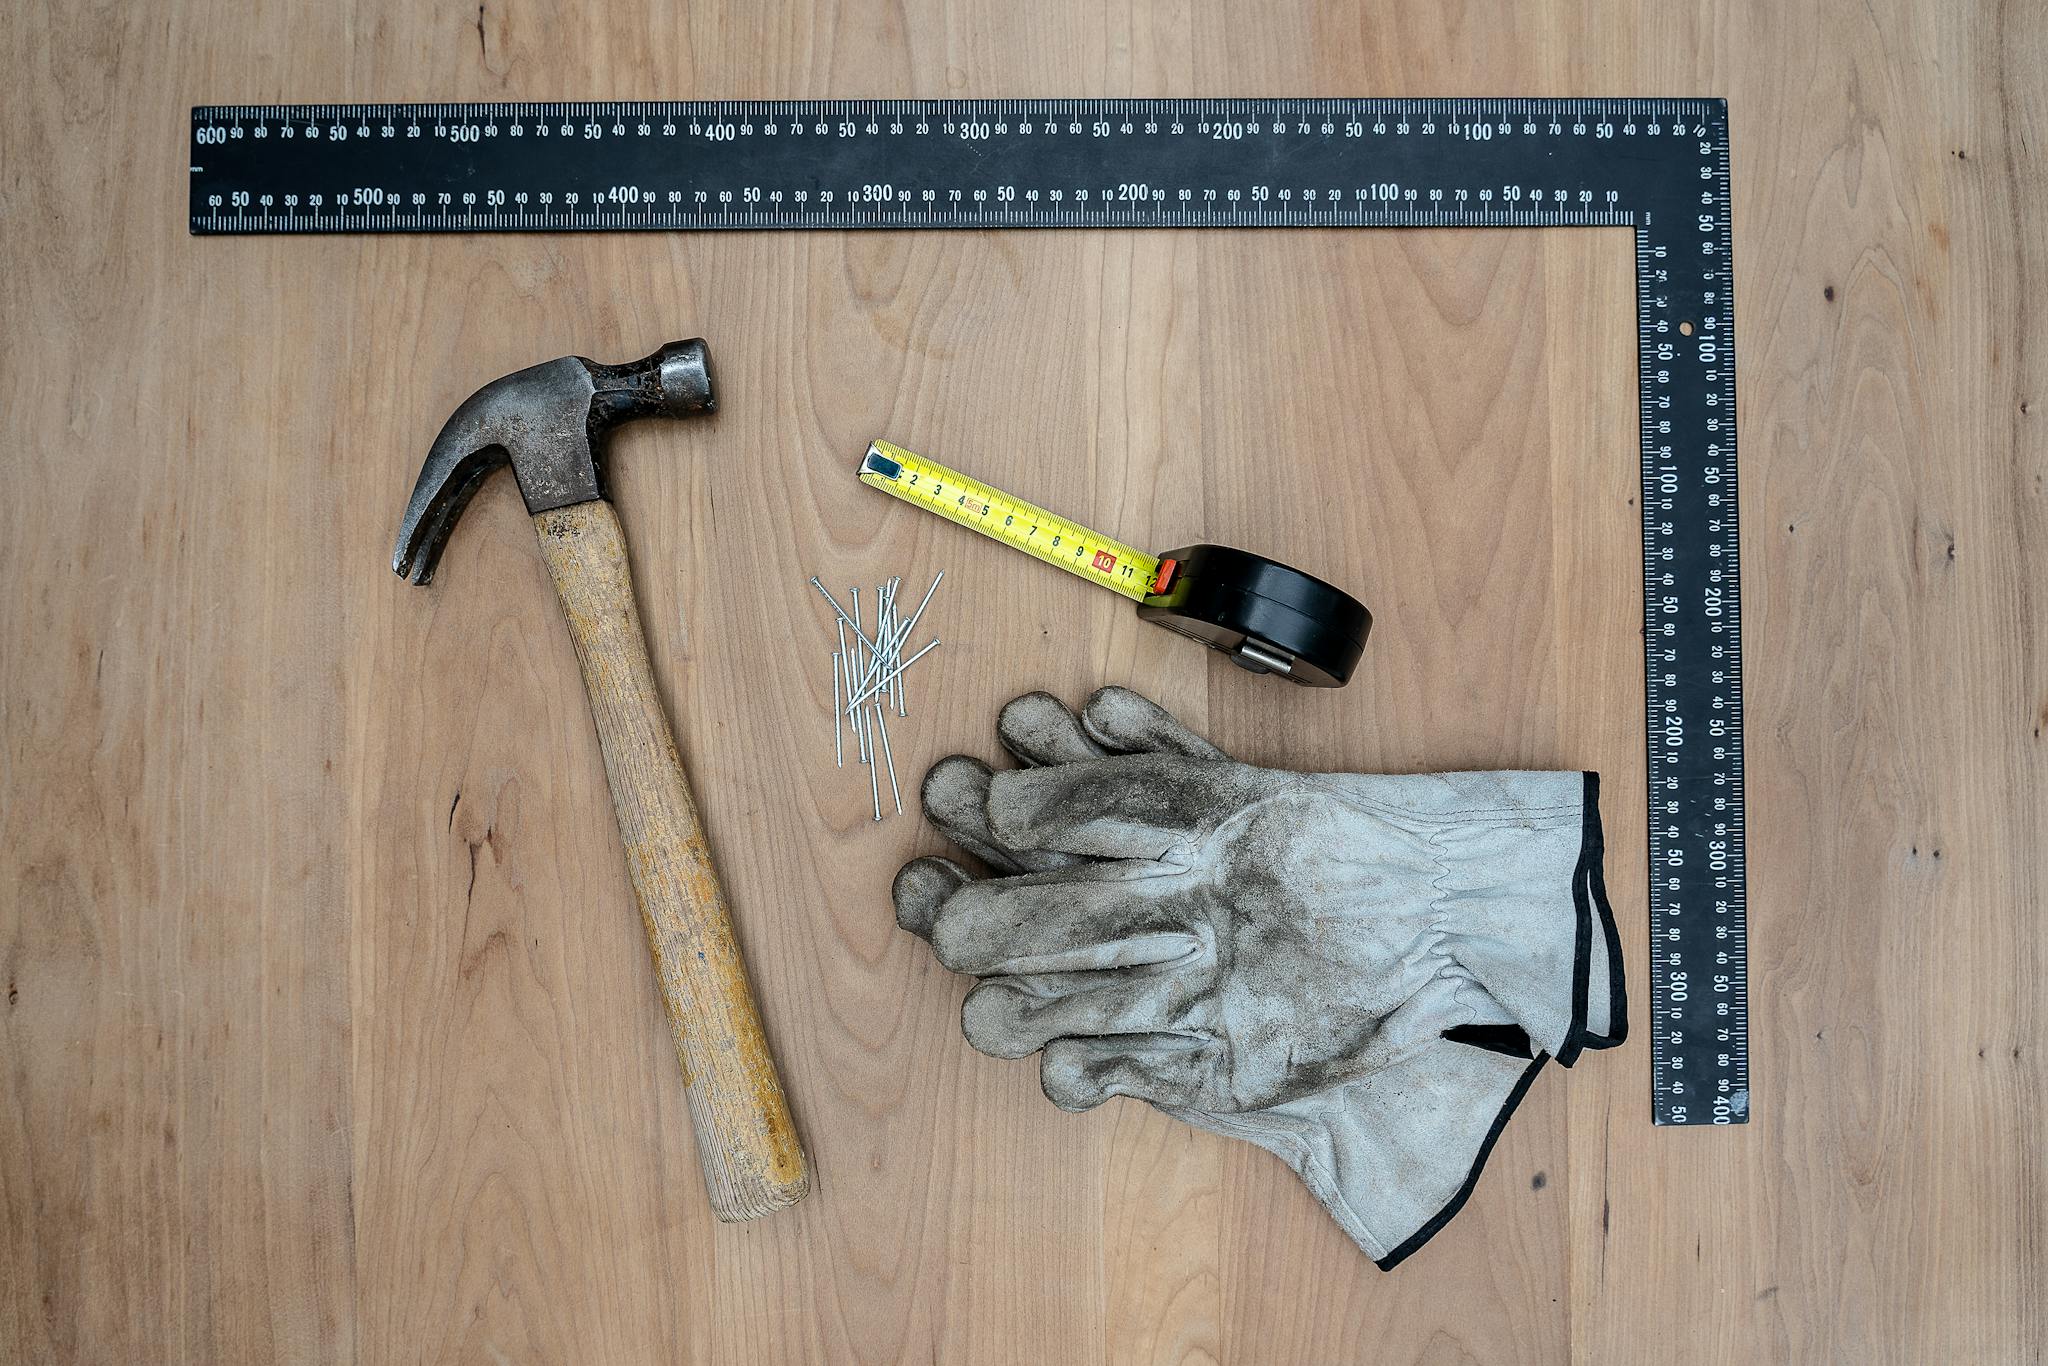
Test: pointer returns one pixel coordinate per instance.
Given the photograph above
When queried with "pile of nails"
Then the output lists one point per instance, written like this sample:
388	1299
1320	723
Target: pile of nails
867	679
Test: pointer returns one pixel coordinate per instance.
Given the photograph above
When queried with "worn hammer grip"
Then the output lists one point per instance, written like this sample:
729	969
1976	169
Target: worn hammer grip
746	1141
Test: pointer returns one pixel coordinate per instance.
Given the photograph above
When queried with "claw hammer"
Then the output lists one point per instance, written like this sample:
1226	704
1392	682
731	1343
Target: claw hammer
550	422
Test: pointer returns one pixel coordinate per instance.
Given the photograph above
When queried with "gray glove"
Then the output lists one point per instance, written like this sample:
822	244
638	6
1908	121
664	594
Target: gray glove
1361	974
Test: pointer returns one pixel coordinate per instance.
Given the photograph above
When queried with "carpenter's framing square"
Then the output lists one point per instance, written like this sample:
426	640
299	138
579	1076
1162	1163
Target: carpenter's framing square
1657	166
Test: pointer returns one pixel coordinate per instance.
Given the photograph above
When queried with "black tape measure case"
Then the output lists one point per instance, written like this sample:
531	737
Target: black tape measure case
1268	617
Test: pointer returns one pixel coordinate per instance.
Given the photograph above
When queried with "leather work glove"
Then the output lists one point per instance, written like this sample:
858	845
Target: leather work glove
1361	974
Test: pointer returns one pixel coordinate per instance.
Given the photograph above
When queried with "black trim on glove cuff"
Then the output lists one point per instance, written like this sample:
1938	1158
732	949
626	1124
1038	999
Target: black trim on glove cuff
1457	1202
1595	916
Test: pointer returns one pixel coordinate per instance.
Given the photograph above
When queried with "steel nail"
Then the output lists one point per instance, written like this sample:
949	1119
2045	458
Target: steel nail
882	724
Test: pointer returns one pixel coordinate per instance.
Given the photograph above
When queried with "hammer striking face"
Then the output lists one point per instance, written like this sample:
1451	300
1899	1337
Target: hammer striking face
549	422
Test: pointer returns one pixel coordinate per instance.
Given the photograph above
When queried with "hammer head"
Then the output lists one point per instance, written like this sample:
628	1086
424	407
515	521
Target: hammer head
549	423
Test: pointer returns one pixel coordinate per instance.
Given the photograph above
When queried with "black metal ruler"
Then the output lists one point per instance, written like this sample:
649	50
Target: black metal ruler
1658	167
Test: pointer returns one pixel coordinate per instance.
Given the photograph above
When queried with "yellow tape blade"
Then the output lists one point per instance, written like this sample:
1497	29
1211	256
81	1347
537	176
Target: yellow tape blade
1090	555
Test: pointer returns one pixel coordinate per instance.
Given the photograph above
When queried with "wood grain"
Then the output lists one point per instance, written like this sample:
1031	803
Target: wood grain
325	1037
746	1142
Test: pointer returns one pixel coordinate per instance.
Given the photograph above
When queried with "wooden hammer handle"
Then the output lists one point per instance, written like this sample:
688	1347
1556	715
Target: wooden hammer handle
746	1141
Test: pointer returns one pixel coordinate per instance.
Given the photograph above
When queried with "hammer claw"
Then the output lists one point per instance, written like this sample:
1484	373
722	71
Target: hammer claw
423	535
549	422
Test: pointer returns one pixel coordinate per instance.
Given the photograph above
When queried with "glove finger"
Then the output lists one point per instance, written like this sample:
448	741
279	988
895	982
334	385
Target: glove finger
1166	1069
1134	806
1080	919
1131	723
1039	729
1014	1017
955	797
922	886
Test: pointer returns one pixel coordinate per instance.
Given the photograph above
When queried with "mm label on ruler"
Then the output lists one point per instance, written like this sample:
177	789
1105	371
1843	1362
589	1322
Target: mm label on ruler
1658	167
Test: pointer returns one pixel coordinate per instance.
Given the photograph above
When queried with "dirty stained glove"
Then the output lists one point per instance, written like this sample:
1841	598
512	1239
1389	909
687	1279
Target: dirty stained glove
1361	974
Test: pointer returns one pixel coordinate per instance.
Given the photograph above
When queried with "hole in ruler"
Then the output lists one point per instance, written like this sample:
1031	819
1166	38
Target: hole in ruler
1685	329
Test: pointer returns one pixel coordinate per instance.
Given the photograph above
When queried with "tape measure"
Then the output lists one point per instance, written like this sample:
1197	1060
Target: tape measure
1654	168
1265	616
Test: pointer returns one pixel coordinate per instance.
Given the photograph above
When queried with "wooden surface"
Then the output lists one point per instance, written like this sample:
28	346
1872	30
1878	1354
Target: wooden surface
329	1033
747	1144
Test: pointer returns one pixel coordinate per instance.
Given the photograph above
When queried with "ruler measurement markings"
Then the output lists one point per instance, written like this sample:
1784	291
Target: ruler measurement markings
1659	167
981	507
1158	198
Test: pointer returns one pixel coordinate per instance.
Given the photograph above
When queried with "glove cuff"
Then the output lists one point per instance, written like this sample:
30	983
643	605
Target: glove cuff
1540	936
1430	1227
1599	989
1394	1155
1520	906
